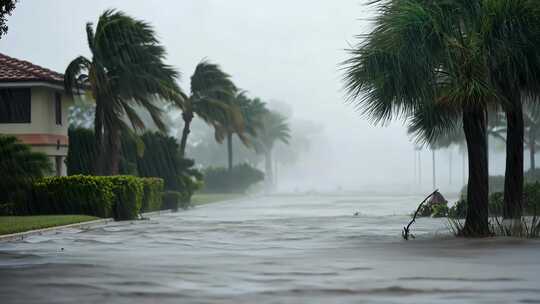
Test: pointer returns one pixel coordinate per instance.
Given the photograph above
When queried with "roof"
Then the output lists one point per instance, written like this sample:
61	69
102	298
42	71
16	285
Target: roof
15	70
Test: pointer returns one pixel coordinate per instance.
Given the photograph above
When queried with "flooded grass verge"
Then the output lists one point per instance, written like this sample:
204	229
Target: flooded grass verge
15	224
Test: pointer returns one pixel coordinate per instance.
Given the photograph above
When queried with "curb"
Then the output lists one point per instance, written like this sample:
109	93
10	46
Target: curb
19	236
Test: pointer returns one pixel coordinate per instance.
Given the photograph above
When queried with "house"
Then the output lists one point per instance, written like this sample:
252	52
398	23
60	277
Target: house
34	108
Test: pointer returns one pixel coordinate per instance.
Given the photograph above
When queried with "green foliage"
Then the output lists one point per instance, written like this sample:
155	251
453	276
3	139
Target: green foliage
171	200
82	153
531	198
77	194
150	155
128	191
458	210
152	194
6	8
434	210
125	74
440	210
102	196
495	204
237	180
19	168
15	224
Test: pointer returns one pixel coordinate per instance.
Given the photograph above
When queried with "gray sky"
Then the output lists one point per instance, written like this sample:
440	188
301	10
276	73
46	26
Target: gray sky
277	50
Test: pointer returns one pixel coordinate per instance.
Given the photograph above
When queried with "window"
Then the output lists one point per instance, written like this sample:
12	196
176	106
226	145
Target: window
15	105
58	108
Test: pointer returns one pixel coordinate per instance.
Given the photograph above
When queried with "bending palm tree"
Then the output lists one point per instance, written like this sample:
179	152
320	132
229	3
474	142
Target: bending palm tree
274	128
243	118
126	71
510	36
210	89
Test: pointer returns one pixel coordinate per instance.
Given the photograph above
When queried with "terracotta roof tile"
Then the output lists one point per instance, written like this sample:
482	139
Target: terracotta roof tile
13	70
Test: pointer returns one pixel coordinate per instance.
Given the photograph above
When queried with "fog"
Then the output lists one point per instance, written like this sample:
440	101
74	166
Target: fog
276	50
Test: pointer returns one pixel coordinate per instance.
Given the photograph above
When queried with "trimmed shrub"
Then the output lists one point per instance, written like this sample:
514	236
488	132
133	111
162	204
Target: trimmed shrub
171	200
152	194
77	194
238	180
128	192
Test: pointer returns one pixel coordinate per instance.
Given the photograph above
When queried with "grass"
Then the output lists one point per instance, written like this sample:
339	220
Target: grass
14	224
207	198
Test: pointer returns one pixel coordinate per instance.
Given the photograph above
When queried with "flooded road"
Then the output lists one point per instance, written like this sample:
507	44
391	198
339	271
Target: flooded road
278	249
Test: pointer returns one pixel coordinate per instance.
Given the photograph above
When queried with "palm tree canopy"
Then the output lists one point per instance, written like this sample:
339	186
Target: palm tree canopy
243	118
126	70
274	128
211	88
427	60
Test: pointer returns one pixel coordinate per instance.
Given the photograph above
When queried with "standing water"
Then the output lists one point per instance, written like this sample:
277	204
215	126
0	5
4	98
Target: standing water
277	249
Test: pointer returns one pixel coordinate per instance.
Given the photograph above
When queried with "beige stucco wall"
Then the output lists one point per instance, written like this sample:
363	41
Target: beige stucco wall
43	121
42	115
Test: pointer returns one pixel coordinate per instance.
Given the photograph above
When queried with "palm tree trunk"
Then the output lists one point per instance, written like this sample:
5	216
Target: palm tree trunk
187	117
513	181
98	135
230	151
268	170
115	151
532	146
474	126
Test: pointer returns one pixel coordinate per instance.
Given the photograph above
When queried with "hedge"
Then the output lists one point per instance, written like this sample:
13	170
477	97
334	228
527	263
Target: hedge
120	196
237	180
171	200
152	194
77	194
128	191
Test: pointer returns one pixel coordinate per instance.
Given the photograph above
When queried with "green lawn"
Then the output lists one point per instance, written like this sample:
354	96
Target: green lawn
13	224
207	198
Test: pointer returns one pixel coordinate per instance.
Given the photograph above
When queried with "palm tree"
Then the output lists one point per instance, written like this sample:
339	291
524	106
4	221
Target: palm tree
210	90
422	63
126	72
243	119
274	128
510	36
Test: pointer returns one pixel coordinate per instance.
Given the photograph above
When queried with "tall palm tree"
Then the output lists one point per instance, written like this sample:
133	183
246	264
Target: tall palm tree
510	37
422	63
274	128
211	88
126	72
243	119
